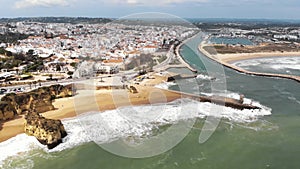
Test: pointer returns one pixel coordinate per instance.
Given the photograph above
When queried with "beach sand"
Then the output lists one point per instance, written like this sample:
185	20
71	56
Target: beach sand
96	100
227	59
232	57
244	56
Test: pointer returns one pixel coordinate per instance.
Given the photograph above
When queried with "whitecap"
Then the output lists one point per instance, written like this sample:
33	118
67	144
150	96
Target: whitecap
125	122
274	63
16	145
204	77
165	85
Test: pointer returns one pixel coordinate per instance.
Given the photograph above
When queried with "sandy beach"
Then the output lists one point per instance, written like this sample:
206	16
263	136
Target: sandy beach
232	57
244	56
227	59
100	100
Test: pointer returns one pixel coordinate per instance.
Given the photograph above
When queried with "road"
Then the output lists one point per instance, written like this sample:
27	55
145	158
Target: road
163	65
166	62
27	87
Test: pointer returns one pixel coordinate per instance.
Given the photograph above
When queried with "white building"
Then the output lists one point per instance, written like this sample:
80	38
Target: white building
150	49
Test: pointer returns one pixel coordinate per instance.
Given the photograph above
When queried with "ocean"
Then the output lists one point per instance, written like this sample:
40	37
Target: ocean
266	138
285	65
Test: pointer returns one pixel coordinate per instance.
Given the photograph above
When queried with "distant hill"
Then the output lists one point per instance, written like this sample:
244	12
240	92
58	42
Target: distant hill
246	24
72	20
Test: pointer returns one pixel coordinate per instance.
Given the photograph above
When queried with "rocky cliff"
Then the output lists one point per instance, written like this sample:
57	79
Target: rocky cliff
39	100
47	131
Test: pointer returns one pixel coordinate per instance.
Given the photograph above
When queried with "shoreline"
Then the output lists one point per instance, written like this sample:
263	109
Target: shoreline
230	58
245	56
65	107
104	100
181	59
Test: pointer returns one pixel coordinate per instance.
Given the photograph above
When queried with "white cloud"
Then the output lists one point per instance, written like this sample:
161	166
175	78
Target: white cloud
52	3
41	3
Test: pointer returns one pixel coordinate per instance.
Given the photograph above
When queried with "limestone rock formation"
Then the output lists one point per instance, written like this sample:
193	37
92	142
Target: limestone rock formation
6	111
39	100
47	131
60	91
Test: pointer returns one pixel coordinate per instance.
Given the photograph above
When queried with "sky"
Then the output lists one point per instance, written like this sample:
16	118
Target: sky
262	9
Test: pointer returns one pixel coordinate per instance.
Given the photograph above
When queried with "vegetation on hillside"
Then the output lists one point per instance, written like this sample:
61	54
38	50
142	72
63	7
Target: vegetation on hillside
32	61
10	37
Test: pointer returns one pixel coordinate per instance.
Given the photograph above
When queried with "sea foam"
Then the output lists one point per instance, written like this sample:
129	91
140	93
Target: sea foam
165	85
204	77
137	121
277	63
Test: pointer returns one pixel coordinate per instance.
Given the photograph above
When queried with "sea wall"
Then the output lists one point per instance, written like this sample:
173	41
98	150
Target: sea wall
181	58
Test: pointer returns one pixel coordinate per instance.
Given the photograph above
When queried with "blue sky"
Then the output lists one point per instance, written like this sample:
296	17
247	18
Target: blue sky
269	9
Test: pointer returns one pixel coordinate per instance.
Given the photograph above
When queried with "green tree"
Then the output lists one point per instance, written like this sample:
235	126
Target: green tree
73	64
58	68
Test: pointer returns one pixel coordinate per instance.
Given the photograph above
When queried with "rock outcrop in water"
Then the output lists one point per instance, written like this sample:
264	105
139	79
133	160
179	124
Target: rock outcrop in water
47	131
39	100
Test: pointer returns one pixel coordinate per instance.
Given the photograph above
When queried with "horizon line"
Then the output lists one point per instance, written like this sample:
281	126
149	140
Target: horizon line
187	18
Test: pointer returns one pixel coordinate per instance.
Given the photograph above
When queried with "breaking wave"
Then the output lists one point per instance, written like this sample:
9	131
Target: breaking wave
288	65
136	121
165	85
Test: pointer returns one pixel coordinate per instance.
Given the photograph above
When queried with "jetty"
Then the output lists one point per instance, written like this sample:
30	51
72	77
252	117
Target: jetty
218	100
215	99
176	76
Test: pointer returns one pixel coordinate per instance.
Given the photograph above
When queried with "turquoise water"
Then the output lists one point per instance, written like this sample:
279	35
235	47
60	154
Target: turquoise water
231	41
267	142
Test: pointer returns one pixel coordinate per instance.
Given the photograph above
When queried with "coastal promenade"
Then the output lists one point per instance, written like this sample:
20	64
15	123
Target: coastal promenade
226	63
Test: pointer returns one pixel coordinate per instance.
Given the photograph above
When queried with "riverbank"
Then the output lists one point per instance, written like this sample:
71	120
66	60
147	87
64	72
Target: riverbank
183	62
227	59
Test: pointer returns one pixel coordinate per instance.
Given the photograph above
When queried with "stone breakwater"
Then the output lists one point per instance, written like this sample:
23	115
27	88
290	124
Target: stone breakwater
39	100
